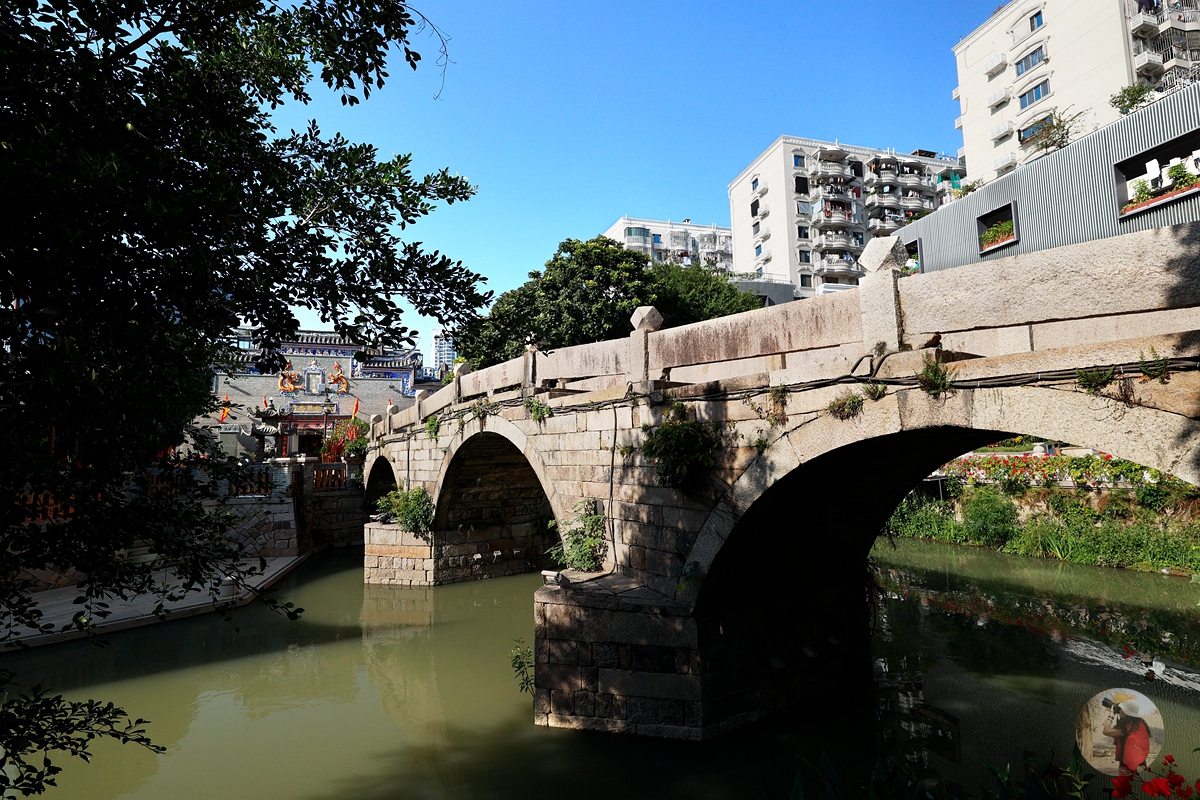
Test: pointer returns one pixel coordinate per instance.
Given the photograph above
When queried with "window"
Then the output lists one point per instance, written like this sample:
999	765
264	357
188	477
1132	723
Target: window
754	184
1035	94
832	280
757	250
805	257
998	228
1031	129
754	209
643	232
1030	61
797	161
1035	21
1144	181
658	238
801	231
801	184
755	228
806	281
803	208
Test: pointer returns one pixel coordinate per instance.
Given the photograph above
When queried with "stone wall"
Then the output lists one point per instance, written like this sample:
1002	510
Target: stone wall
331	518
267	525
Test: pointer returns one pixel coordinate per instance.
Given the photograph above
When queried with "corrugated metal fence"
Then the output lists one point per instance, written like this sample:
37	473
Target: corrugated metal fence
1066	197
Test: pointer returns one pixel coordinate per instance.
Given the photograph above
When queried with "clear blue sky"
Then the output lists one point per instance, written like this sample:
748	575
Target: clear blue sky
567	115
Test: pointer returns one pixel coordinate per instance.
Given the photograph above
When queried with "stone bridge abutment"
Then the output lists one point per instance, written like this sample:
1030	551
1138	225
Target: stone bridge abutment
724	602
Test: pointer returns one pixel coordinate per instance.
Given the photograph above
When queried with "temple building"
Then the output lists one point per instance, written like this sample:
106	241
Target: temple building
323	384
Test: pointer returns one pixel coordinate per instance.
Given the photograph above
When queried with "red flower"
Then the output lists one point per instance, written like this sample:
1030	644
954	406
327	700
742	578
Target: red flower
1157	787
1175	779
1168	761
1122	786
1183	791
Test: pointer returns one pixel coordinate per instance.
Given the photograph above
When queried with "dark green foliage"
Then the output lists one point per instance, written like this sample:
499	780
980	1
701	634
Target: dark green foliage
1092	381
1180	177
433	427
412	510
989	518
684	295
33	725
847	405
1156	368
684	448
581	545
150	206
1152	496
523	665
587	292
935	377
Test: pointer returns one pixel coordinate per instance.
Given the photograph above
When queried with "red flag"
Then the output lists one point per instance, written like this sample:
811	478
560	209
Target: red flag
355	414
264	402
225	409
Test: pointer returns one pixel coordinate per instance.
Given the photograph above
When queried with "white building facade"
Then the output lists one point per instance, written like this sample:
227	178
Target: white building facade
803	211
1033	58
683	242
443	351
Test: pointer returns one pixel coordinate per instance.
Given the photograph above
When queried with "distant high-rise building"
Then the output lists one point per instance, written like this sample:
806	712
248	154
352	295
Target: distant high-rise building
803	211
443	350
1033	58
683	242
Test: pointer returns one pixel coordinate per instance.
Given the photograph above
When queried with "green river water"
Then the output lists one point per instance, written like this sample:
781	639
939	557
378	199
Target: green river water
407	693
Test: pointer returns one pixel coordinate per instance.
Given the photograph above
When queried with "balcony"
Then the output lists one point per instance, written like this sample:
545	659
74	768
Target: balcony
883	177
833	219
954	94
1143	25
913	180
1148	63
836	240
1006	161
996	64
958	123
914	203
826	192
1002	130
885	224
830	169
882	200
837	266
999	98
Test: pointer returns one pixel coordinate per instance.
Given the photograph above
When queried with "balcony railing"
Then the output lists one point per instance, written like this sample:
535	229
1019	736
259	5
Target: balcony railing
1148	63
913	180
883	200
884	224
1143	24
999	98
837	266
914	203
1002	130
1005	162
996	64
829	169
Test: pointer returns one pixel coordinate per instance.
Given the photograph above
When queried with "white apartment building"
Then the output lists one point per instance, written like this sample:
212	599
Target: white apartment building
443	350
1034	57
803	211
683	242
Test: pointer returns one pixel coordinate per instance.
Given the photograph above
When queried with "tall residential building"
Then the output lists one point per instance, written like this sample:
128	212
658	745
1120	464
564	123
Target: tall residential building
683	242
1032	58
443	350
803	211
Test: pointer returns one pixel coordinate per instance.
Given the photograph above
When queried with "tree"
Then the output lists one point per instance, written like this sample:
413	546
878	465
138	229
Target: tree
1054	132
587	293
1131	98
150	206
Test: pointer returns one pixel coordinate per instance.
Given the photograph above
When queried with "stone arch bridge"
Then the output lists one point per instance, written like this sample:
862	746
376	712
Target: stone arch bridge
724	601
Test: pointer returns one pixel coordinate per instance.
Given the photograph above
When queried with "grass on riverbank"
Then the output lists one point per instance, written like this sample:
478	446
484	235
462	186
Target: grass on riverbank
1121	534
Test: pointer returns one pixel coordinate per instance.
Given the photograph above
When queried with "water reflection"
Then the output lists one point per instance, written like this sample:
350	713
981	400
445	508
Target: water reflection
383	692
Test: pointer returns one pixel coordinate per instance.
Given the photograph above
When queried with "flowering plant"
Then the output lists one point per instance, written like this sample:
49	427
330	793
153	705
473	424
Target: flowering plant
1029	470
1155	785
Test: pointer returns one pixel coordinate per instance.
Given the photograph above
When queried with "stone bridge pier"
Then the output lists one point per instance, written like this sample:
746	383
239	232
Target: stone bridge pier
746	591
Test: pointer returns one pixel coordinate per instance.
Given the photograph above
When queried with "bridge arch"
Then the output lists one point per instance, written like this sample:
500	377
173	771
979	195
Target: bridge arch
381	479
491	505
910	434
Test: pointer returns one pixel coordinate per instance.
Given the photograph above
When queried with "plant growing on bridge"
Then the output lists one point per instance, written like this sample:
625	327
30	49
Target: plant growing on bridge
412	510
935	377
581	543
847	405
523	665
1092	381
433	427
537	410
1156	368
682	447
875	391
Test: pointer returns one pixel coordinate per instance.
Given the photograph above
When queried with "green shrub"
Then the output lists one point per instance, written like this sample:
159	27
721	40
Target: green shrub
433	427
537	410
1141	192
411	510
683	448
1152	496
1131	98
846	405
1092	381
935	377
1180	177
997	233
919	517
581	544
989	518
